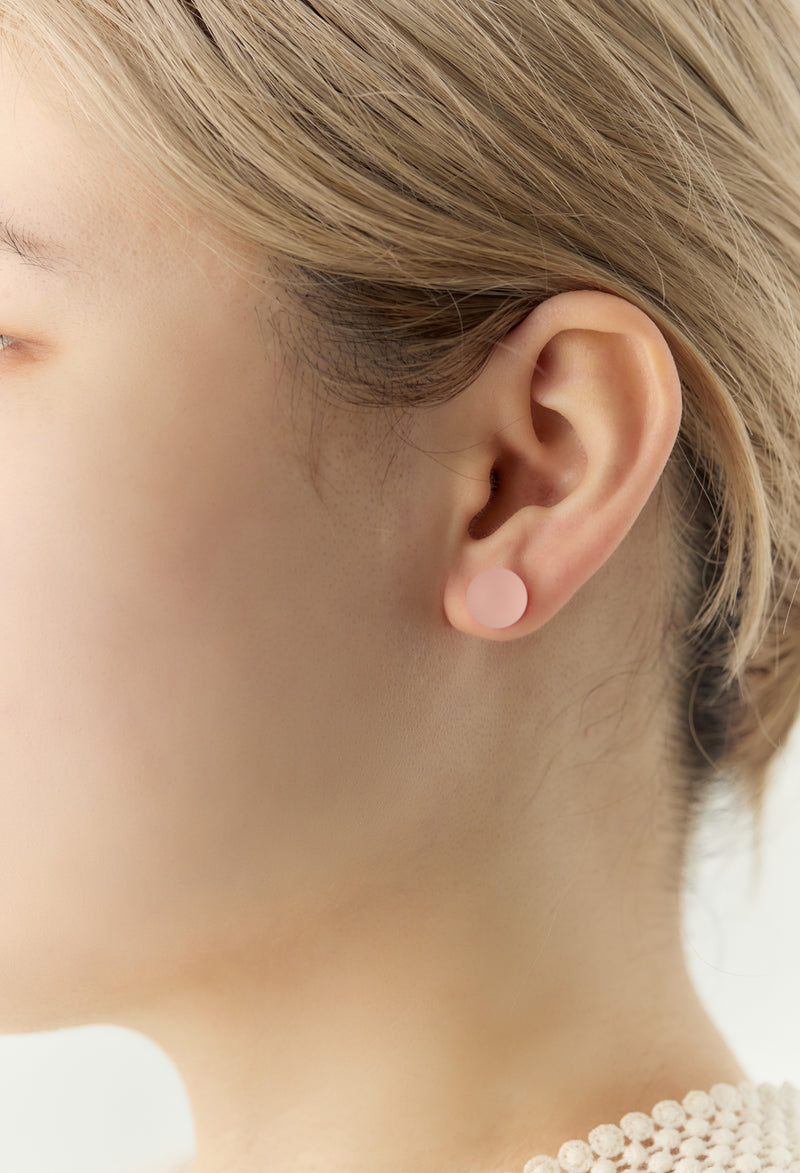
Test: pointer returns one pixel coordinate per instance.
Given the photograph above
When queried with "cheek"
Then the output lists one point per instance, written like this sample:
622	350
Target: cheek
134	532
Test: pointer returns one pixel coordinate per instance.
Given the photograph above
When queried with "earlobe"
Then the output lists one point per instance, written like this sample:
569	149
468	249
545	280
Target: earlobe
594	396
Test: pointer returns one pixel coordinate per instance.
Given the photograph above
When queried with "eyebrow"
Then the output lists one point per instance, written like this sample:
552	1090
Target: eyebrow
31	251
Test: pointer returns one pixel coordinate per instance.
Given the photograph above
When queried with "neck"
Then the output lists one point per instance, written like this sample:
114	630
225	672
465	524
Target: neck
452	1029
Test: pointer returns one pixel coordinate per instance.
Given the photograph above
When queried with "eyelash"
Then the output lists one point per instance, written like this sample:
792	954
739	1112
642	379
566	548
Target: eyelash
5	342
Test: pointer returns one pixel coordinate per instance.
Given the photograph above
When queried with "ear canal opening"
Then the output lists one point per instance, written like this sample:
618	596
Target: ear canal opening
474	525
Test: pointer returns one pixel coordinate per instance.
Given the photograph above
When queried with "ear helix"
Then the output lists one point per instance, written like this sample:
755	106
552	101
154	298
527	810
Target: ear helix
497	597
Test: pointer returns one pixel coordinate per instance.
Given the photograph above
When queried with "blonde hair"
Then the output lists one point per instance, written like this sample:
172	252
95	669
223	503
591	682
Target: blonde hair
422	175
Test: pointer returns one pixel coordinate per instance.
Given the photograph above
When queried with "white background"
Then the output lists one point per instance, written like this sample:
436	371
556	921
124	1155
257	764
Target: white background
101	1099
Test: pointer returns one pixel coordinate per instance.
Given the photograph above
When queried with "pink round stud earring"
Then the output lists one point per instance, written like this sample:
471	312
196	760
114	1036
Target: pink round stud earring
497	597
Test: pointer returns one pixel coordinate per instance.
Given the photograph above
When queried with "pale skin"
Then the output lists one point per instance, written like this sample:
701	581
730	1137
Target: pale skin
391	889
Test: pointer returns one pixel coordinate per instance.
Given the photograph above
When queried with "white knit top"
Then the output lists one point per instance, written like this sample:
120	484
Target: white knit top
752	1128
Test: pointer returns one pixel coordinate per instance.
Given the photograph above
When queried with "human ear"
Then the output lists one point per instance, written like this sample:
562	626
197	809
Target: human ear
582	403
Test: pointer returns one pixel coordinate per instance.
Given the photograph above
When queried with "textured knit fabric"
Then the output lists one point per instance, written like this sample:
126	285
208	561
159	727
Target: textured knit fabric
752	1128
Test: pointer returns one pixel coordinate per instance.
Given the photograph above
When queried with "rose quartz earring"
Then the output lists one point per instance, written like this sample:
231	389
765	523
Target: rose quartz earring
497	597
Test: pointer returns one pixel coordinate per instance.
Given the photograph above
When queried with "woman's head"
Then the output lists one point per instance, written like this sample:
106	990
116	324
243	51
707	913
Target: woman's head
420	179
533	271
